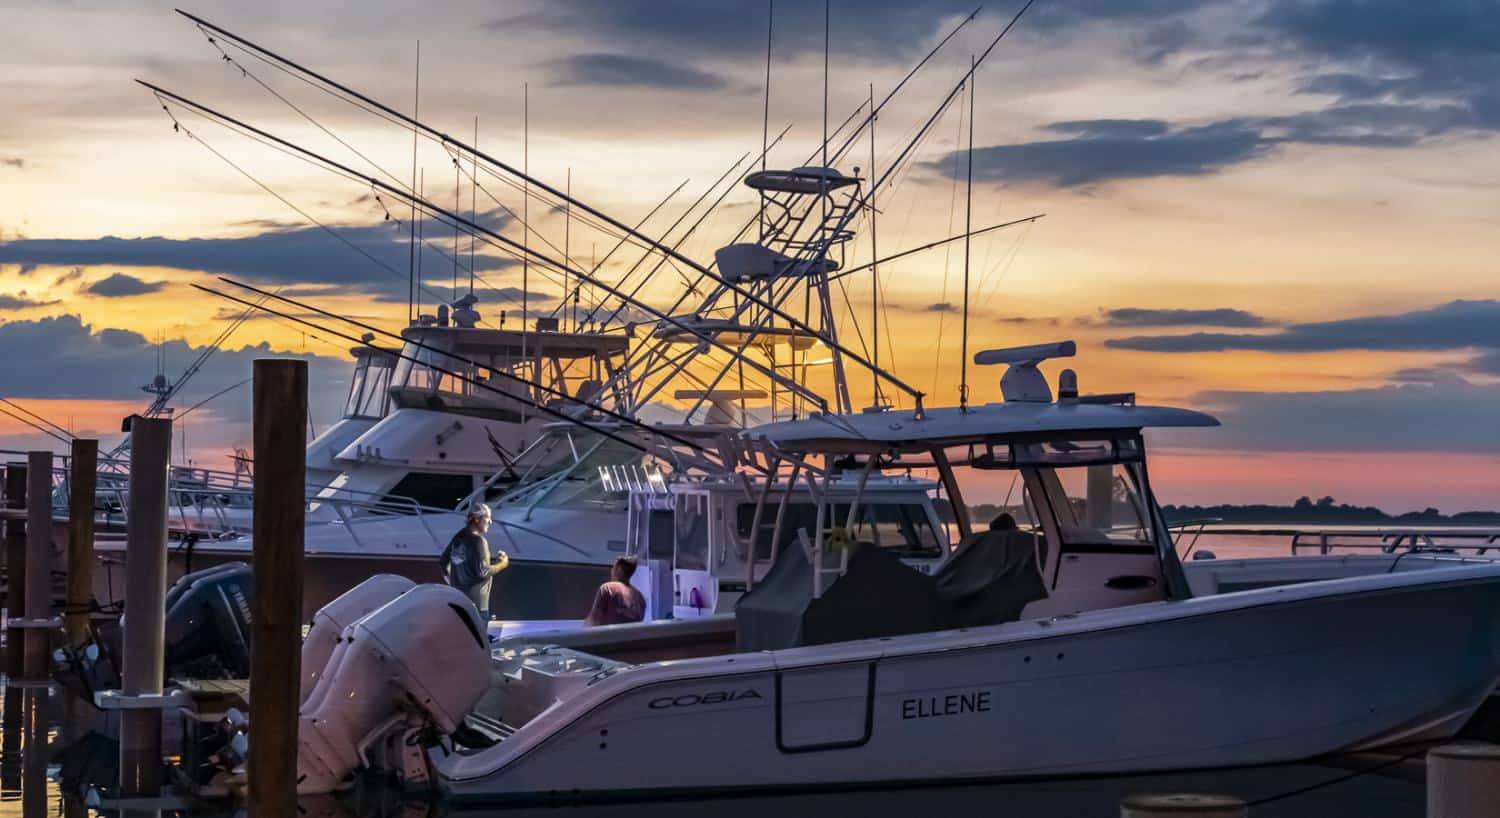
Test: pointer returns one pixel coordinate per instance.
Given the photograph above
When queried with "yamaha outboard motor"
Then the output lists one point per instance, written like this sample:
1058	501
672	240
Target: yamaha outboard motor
207	634
208	623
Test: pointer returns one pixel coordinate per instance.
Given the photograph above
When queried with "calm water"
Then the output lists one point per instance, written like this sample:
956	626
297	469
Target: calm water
1379	787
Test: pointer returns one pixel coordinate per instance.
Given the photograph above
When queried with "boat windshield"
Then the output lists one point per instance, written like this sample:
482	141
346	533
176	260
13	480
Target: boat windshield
577	474
369	391
426	368
904	528
1094	489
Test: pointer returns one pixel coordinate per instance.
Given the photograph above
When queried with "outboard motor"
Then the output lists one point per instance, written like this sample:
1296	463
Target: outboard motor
328	624
208	623
207	630
400	677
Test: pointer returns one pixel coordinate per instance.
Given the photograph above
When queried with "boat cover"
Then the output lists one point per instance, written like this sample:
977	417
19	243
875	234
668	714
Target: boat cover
877	595
991	577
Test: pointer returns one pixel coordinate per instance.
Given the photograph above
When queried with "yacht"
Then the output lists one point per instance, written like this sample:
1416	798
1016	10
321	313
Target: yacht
1075	643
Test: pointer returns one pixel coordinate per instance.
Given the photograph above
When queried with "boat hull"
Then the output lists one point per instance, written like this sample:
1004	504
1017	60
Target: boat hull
1266	676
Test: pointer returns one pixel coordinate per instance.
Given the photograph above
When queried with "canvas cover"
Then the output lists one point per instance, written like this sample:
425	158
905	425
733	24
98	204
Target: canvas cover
990	579
877	595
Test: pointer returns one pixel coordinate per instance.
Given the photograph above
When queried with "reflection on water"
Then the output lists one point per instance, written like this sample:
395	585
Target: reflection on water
1379	787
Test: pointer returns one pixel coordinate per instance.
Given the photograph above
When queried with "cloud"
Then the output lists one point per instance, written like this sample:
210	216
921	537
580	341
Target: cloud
299	255
872	30
1451	326
122	285
1109	149
1218	317
12	162
1440	413
623	70
20	301
942	306
85	363
1441	55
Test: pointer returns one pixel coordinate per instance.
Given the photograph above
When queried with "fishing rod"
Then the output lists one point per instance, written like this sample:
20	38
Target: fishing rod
442	137
19	408
692	286
870	118
470	380
928	246
34	424
490	236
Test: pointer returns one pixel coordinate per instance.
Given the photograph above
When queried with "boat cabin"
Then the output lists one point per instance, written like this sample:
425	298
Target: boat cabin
440	364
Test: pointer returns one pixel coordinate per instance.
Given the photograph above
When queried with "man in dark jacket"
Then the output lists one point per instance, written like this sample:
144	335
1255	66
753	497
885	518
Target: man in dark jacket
466	561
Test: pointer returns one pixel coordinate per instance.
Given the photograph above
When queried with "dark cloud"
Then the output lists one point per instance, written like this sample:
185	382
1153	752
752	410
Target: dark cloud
69	277
111	364
26	270
942	306
872	30
1435	413
1452	326
1439	54
623	70
1104	150
12	162
123	285
1219	317
303	255
1487	363
21	301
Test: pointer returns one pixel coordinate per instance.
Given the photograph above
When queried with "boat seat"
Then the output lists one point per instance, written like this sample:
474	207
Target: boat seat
990	578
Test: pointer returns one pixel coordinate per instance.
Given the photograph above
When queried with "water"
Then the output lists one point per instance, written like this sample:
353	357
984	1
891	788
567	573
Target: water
1375	786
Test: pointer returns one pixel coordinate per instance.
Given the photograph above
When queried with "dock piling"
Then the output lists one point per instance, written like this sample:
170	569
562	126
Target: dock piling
146	578
38	568
83	478
280	458
15	571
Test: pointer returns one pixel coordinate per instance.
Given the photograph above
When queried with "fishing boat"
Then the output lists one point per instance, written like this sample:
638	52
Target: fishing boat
1074	643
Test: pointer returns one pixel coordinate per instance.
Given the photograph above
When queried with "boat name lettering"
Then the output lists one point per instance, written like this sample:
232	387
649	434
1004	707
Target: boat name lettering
712	697
953	704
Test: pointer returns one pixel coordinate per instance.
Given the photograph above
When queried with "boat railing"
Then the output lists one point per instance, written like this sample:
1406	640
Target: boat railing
1330	540
1392	541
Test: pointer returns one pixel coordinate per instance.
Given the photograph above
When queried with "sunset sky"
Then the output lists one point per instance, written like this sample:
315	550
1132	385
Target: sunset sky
1283	212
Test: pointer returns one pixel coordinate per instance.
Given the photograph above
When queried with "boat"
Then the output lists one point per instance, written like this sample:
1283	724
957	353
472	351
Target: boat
1073	644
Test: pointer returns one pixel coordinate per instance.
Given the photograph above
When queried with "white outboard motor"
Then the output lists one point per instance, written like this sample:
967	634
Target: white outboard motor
417	664
331	620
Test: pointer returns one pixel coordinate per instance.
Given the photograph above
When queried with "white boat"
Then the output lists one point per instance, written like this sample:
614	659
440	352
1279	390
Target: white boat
1076	645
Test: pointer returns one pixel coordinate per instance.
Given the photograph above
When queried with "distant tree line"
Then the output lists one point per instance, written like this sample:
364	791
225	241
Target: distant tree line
1325	510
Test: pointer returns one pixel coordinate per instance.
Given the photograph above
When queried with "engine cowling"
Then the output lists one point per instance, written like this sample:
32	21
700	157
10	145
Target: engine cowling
422	656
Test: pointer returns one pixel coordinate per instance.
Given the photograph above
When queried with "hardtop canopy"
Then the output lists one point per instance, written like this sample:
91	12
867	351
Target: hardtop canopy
905	430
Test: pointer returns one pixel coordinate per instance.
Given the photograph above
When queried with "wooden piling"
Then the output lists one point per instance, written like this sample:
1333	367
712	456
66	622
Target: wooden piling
145	598
38	563
15	568
280	457
83	476
83	481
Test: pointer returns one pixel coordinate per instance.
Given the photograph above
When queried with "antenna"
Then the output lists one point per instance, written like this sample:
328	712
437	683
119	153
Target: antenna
525	208
411	260
567	236
963	381
473	202
874	264
458	175
417	290
765	116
